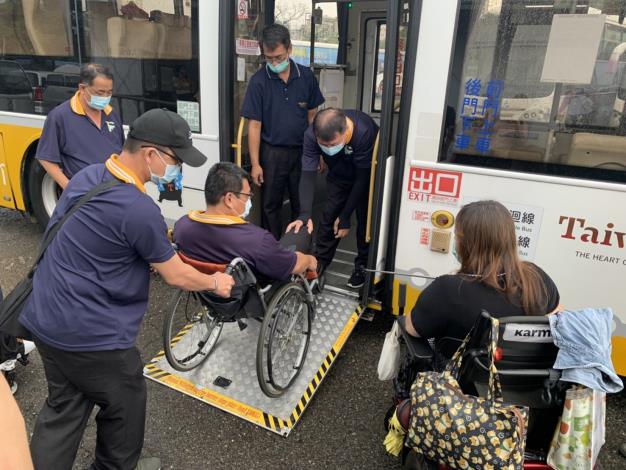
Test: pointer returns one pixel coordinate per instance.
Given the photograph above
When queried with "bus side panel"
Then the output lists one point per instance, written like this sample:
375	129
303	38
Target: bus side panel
574	230
17	137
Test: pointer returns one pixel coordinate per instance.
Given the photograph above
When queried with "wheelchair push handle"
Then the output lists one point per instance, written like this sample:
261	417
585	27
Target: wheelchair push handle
234	266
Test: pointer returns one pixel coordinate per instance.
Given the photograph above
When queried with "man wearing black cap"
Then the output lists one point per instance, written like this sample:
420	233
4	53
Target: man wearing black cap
90	293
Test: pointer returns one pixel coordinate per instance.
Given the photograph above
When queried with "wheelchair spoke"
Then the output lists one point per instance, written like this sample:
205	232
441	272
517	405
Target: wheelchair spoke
284	339
190	332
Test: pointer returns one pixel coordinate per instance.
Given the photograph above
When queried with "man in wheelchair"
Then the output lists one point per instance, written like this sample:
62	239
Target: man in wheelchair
270	283
220	233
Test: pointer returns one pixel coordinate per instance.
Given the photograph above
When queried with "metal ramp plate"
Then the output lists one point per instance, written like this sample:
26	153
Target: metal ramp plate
234	358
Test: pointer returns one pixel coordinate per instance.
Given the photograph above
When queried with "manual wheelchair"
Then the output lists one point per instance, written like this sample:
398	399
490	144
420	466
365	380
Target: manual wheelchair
285	309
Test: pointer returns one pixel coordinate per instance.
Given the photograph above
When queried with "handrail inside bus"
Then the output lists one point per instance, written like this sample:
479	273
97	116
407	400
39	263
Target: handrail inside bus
370	202
238	146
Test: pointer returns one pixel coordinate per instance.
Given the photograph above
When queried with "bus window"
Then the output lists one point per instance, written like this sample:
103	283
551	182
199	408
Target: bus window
296	17
502	112
151	46
36	27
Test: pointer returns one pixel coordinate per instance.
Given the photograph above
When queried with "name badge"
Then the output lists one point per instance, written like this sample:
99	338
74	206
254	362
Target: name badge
110	125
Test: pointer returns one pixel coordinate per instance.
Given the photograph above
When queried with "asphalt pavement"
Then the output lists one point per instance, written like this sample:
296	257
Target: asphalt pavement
342	427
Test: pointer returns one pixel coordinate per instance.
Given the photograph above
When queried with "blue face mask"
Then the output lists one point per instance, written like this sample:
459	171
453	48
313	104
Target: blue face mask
279	68
99	102
171	173
334	150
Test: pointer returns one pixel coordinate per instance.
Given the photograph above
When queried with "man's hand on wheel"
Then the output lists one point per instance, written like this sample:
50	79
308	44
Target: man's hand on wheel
223	284
257	175
296	225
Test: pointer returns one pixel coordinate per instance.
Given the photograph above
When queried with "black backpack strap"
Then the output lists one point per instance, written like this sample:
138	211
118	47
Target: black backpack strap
77	205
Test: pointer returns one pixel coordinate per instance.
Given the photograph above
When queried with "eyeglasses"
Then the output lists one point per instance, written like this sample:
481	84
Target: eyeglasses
171	155
250	195
276	59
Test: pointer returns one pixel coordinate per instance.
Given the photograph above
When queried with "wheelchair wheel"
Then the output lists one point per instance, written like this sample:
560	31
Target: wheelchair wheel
283	340
190	332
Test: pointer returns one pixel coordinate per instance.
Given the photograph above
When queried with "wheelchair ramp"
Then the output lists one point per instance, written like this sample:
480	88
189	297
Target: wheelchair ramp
234	358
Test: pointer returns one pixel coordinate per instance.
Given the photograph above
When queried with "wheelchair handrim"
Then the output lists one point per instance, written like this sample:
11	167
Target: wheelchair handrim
204	343
304	316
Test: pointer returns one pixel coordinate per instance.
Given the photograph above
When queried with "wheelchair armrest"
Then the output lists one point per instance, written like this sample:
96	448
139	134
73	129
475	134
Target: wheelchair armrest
416	347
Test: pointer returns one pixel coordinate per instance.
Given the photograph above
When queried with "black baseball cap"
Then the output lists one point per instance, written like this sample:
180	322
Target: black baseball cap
168	129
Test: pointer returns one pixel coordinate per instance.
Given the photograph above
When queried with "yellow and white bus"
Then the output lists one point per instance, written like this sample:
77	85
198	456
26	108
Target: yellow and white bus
520	101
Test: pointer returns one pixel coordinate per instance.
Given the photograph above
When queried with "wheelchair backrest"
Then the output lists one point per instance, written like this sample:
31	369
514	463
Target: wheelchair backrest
203	266
524	357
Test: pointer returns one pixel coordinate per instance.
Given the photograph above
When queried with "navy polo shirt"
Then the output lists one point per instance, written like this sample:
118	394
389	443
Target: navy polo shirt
90	291
220	239
73	141
282	107
356	154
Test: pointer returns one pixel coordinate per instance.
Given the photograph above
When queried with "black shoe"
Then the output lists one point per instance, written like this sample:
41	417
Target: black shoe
357	279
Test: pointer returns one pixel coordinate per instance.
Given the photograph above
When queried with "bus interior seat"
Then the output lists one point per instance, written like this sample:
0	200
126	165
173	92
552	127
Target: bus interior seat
98	13
597	151
42	20
137	38
132	38
174	35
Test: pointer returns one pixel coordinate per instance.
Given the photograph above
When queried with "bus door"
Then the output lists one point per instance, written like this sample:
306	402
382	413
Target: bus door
240	58
388	45
346	45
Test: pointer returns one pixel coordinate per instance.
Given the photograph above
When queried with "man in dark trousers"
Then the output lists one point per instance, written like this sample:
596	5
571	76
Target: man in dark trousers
280	102
345	140
90	293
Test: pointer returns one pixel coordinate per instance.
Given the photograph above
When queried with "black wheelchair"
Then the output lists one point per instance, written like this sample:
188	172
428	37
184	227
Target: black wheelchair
524	366
285	309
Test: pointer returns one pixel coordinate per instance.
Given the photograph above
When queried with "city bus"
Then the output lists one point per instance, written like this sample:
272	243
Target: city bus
476	99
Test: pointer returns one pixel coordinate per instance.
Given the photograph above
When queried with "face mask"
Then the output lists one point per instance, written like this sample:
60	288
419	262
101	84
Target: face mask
335	149
246	211
454	253
279	68
99	102
171	173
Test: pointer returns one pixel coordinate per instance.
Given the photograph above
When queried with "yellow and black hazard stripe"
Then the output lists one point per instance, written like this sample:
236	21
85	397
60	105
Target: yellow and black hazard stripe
153	371
184	330
323	369
272	423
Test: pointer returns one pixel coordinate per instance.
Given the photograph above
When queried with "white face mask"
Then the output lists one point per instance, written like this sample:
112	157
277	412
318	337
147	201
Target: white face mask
247	209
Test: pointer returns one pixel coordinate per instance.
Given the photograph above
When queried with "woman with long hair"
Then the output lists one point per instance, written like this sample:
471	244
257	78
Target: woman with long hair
492	277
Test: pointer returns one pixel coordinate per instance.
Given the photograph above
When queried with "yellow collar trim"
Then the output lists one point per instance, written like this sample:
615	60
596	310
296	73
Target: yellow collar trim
123	173
77	106
349	130
216	219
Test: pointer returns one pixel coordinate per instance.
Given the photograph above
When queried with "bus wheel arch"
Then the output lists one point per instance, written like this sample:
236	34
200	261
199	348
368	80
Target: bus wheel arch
40	192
